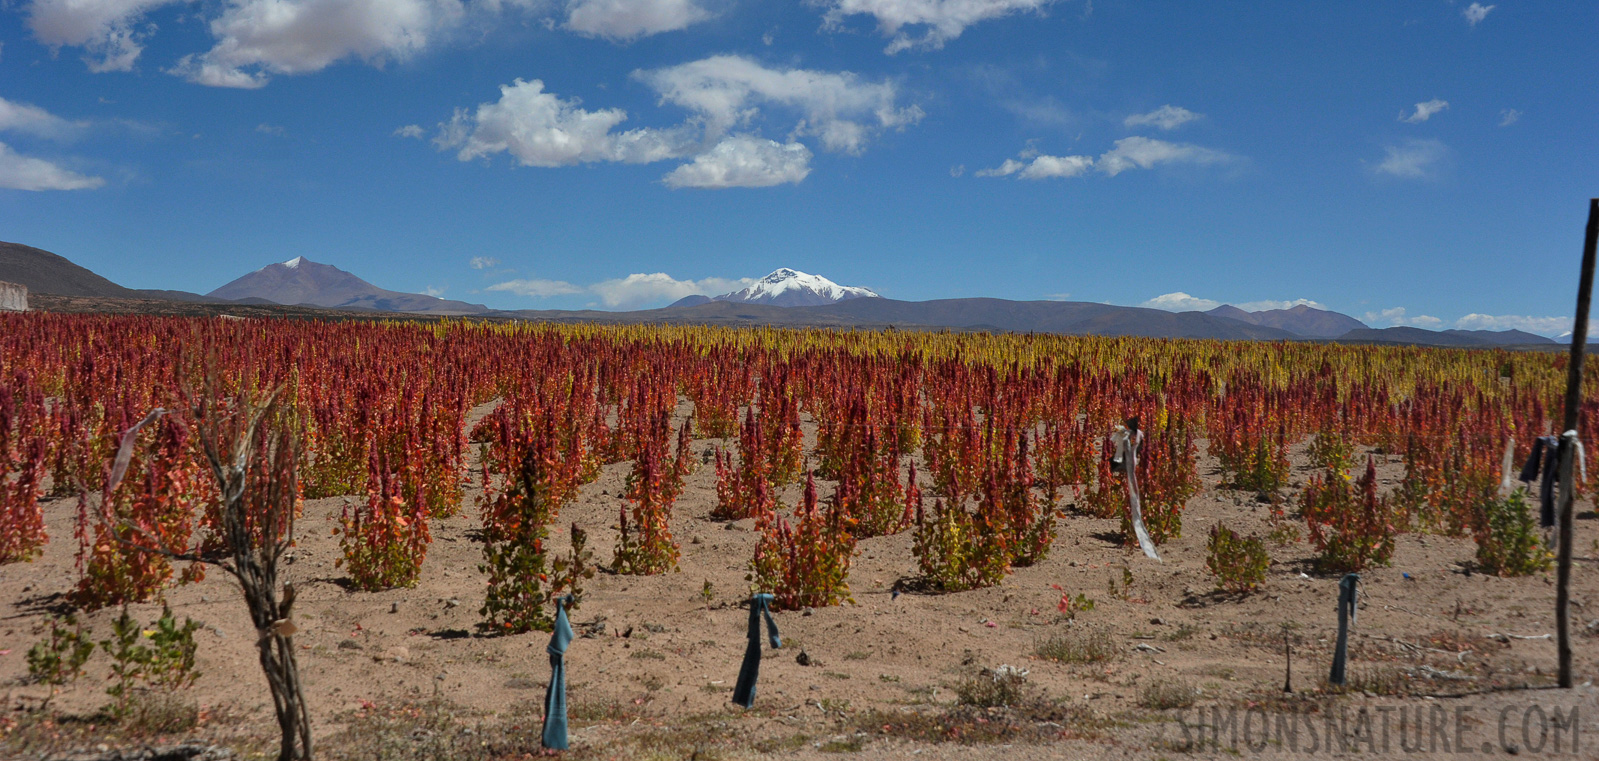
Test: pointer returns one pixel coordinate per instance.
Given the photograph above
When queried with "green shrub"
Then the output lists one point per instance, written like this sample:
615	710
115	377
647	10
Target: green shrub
1238	562
58	660
1507	537
1077	647
166	663
1162	695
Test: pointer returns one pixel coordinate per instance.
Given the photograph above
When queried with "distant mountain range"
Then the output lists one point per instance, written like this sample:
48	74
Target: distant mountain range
44	272
786	297
300	282
786	288
1301	320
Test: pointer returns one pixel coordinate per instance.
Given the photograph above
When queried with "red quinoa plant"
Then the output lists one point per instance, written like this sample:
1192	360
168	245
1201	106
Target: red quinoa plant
1349	524
806	563
23	446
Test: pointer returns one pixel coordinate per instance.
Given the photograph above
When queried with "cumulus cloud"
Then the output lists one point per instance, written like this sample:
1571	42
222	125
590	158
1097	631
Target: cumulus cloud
638	289
1041	167
839	108
483	262
1508	117
1166	117
1424	111
112	32
623	20
259	38
1268	304
723	95
1411	160
19	172
413	131
1128	153
29	119
1400	317
535	288
635	290
943	20
744	161
1146	153
1180	302
1548	326
1183	302
1476	12
539	128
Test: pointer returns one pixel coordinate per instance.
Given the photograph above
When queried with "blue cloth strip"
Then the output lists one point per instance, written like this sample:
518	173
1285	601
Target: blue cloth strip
760	607
1346	618
555	698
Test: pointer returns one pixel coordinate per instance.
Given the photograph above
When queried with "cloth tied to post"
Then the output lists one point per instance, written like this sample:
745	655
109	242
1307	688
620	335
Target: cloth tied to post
1347	587
760	607
1126	444
555	698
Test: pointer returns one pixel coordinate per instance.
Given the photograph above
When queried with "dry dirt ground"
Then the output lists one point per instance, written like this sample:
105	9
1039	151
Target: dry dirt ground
406	674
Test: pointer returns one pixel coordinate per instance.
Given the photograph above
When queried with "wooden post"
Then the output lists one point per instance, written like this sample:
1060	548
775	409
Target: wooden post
1579	341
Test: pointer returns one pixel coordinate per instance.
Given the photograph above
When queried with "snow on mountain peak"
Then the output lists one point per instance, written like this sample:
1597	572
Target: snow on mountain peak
295	262
790	287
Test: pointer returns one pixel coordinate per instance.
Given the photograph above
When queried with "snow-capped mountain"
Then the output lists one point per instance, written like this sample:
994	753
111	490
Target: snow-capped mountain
788	288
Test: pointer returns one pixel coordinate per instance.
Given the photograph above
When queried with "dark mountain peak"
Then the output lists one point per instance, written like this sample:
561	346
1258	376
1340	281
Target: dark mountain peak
1300	319
44	272
302	281
1232	312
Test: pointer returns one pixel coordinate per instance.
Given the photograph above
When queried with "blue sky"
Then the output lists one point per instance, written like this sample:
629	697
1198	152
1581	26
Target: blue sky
1409	162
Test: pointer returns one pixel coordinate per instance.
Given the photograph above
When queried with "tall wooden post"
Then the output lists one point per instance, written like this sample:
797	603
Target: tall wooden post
1579	342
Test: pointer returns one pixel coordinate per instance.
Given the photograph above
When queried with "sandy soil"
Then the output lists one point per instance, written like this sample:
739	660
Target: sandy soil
661	658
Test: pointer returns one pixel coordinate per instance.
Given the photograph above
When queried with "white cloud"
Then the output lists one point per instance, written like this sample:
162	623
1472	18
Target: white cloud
1180	302
1010	167
744	161
20	172
483	262
1548	326
1129	153
1268	304
535	288
1508	117
1145	153
957	170
1476	12
1041	167
1424	111
639	289
1183	302
110	31
1400	317
539	128
434	292
631	19
944	19
32	120
1166	117
270	129
258	38
1412	160
413	131
839	108
721	94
